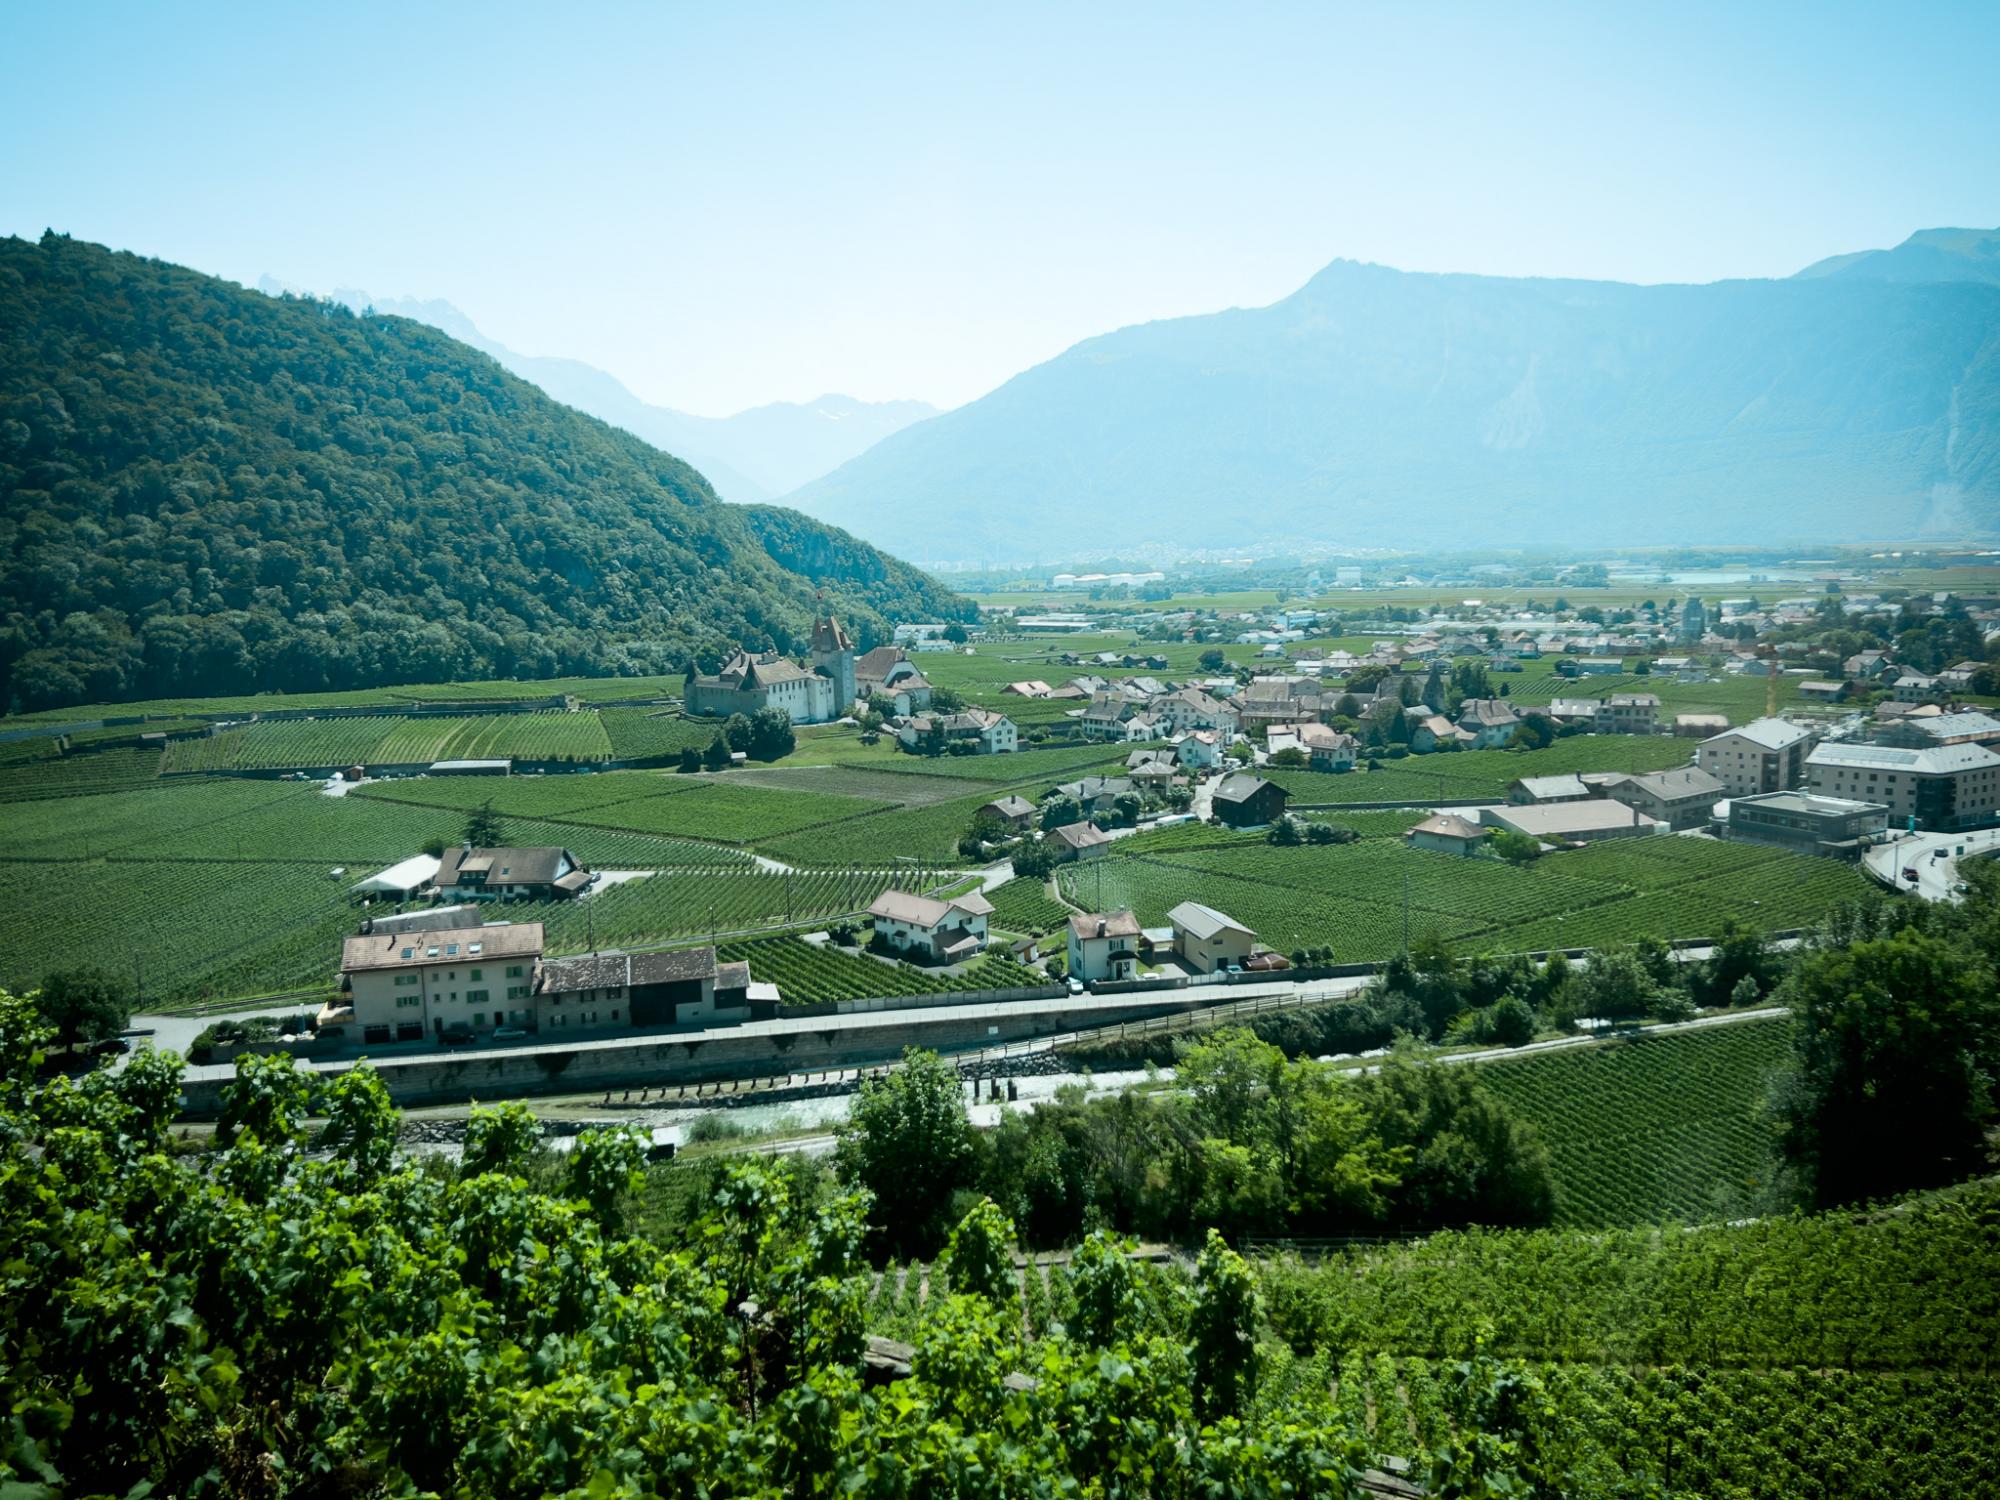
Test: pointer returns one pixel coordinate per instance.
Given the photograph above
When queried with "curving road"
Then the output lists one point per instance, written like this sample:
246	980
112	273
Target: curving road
1934	856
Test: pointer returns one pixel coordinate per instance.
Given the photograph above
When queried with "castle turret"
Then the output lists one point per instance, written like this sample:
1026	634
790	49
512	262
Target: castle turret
833	657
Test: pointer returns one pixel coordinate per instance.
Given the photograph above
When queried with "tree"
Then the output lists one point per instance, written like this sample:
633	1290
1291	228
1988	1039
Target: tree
1034	861
908	1142
499	1140
1127	806
738	735
1290	758
1060	812
1212	660
716	757
979	1257
1515	848
771	735
483	827
361	1122
946	700
84	1005
955	633
1897	1053
1614	985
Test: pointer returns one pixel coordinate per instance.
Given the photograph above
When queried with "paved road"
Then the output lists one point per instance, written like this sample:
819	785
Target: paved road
1934	856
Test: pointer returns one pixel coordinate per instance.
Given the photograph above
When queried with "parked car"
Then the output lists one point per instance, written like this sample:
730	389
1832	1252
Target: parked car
111	1046
509	1034
457	1039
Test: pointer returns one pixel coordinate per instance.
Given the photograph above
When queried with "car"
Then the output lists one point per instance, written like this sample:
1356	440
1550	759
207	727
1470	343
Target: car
1939	853
509	1034
111	1046
1075	985
1910	872
457	1039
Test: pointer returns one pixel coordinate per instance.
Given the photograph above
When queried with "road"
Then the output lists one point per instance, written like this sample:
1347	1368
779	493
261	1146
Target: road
1936	875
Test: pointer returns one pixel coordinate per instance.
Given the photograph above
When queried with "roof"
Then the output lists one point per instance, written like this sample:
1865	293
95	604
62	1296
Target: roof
1557	820
733	976
1948	726
1011	806
454	945
448	766
1092	787
1544	787
1204	921
1449	826
1683	781
405	875
1941	760
1487	711
1635	700
531	865
923	911
1118	924
1771	734
1080	835
828	636
1813	804
876	663
616	970
1241	787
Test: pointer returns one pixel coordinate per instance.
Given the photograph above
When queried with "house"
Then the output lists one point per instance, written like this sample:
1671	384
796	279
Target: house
410	986
1103	946
938	931
1942	789
539	873
1326	748
1529	791
1077	841
1207	941
1629	713
1700	726
1681	798
1097	793
1195	708
1490	721
1033	688
1154	755
986	732
1817	691
1106	717
1016	812
1572	822
1446	833
597	992
1576	710
1804	822
1917	687
747	683
1866	666
1591	666
1200	750
872	668
1279	700
1432	730
1246	801
1765	755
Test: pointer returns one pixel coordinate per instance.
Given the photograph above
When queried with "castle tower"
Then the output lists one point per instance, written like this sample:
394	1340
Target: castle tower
833	656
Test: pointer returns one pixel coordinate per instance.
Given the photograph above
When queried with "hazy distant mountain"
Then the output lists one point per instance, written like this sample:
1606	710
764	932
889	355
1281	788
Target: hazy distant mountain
747	457
1380	407
1927	255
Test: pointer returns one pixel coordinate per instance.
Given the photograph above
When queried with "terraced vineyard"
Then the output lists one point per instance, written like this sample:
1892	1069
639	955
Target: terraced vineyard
1026	906
810	973
1655	1127
1352	895
36	776
695	903
645	733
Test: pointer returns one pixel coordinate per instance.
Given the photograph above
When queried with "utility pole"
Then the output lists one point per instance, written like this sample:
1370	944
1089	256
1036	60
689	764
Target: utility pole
1406	912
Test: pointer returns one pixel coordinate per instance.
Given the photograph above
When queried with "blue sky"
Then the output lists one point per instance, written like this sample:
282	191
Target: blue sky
725	205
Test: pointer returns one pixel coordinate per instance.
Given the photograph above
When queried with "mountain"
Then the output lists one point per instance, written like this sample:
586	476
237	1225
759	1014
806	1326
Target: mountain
1381	407
753	455
1927	255
207	490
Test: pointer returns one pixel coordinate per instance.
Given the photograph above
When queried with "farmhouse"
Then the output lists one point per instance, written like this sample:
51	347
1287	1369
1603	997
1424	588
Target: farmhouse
1576	710
1200	750
1097	793
942	931
1034	688
1078	841
1207	940
1107	716
1943	789
401	880
1246	801
409	986
1490	721
1682	798
599	992
1572	822
1818	691
1103	946
1446	833
1193	708
1015	811
1766	755
540	873
1629	713
986	732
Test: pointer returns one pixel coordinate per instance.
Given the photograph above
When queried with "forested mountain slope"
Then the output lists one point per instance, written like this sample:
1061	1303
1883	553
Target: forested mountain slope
203	488
1379	407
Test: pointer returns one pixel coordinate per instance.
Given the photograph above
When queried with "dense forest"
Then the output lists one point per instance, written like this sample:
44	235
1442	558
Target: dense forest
203	488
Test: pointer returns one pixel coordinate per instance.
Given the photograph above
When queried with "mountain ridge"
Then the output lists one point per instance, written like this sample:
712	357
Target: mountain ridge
1382	407
205	489
748	457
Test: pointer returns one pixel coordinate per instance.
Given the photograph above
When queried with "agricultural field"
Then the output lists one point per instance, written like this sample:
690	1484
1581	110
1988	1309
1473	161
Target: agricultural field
676	904
812	973
1459	774
310	744
1061	764
1352	895
647	733
1025	906
26	777
1741	698
1656	1127
843	780
725	812
930	834
556	796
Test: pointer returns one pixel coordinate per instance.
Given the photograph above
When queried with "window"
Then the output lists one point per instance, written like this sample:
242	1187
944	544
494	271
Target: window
474	947
374	1035
409	953
516	991
405	1002
450	948
479	1018
475	997
515	971
474	974
403	980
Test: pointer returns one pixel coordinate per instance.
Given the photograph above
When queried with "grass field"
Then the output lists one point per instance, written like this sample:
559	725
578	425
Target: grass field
1352	896
1655	1127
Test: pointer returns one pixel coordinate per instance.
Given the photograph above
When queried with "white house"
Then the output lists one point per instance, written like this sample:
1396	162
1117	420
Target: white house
1199	751
943	931
1207	940
1103	946
407	986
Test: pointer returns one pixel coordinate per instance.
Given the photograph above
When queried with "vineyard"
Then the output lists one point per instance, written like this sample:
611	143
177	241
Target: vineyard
317	744
811	973
1352	895
651	733
1741	698
1666	1126
696	903
724	812
879	838
1465	774
1026	906
31	778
